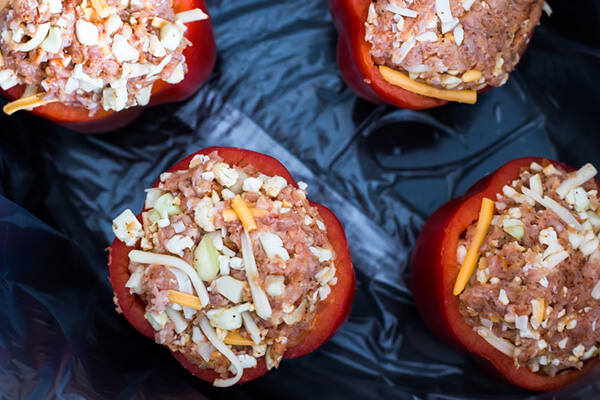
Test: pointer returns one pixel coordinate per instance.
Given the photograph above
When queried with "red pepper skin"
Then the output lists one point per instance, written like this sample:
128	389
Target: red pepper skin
434	271
357	66
331	313
200	59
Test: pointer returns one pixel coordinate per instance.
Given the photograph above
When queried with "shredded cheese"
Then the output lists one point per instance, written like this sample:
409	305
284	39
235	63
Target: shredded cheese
243	213
26	103
185	300
235	339
468	266
144	257
499	344
222	348
580	177
399	79
195	14
158	22
230	215
259	297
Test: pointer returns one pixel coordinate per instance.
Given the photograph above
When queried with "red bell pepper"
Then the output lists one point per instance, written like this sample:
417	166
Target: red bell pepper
200	59
356	64
434	272
331	312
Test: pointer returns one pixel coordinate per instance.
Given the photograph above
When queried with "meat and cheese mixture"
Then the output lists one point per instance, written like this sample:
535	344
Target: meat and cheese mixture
535	293
91	53
451	44
231	264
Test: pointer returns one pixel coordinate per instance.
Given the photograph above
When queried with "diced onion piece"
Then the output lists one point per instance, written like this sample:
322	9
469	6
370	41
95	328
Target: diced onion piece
122	50
53	42
582	175
37	39
274	285
230	288
26	103
170	36
399	79
499	344
210	334
261	302
134	283
514	227
230	215
157	321
87	33
195	14
227	318
206	259
180	323
127	228
144	257
243	212
468	266
166	207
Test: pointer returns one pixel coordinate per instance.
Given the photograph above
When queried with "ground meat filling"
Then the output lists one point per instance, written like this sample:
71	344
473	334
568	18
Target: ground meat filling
191	216
452	44
536	290
92	53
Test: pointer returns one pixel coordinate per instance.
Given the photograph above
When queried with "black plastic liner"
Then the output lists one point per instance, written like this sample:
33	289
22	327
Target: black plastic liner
276	89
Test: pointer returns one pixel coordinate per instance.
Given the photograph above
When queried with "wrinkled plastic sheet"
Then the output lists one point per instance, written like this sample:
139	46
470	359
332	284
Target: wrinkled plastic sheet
276	89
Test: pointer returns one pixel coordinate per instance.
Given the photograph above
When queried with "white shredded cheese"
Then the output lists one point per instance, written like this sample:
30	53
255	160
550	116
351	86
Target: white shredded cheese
582	175
428	36
210	334
144	257
180	323
195	14
261	302
498	343
403	11
37	39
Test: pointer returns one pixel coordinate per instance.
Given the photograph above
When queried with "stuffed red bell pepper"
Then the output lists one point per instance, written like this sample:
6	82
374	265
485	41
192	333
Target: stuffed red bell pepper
92	65
510	272
424	53
231	267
